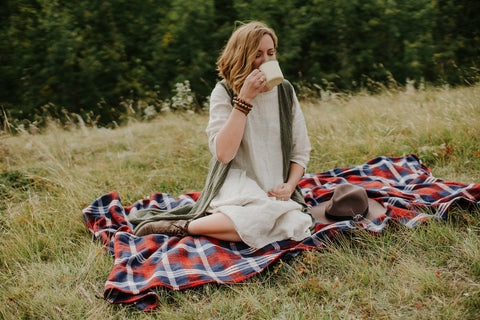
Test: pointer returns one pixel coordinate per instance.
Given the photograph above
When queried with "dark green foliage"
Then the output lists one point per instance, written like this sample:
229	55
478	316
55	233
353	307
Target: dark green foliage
87	57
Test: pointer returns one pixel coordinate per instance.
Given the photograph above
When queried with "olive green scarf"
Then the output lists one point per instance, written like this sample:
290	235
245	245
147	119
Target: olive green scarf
218	171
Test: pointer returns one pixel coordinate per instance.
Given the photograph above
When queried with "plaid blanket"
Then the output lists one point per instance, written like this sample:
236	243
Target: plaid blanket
402	184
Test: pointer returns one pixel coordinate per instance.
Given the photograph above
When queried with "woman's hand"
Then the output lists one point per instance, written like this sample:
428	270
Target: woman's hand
285	190
253	85
282	192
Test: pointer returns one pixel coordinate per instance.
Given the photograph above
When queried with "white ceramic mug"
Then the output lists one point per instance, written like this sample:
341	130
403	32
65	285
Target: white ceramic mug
273	73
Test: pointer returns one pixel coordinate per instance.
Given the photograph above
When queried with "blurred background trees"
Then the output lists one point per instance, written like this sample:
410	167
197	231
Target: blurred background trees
90	57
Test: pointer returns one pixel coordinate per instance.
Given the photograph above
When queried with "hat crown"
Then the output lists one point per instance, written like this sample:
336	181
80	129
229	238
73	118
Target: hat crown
347	201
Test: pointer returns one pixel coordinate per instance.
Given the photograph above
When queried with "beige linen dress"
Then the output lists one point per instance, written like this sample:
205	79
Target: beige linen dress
257	168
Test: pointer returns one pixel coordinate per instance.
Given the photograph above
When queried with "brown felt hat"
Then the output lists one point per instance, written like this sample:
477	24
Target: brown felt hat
349	202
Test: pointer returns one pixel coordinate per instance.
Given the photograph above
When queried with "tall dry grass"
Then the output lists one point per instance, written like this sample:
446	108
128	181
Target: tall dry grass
50	267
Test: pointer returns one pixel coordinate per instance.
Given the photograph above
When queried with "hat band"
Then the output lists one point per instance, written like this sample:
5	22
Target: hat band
342	218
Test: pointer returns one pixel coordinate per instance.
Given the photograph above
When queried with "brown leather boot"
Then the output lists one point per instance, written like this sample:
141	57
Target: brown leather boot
177	228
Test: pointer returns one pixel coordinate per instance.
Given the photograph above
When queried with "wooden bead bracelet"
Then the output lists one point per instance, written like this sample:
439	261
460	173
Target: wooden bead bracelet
242	105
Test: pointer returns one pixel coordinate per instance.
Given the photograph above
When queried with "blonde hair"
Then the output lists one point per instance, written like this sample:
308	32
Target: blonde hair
236	61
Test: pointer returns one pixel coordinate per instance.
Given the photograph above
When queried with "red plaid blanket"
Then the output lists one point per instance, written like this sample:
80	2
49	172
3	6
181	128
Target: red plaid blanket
402	184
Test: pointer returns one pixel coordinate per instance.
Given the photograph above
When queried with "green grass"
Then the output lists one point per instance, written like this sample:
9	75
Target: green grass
50	267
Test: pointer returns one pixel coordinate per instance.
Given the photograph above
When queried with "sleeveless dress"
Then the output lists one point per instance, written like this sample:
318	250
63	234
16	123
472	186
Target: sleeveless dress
257	168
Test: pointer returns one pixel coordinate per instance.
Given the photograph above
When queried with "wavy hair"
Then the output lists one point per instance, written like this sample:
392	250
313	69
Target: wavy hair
236	61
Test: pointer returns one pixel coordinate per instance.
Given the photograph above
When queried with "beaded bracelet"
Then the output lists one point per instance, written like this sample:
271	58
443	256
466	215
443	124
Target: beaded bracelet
241	102
243	109
245	112
242	105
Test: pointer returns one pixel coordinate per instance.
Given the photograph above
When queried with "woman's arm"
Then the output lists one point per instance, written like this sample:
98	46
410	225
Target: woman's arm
299	157
230	136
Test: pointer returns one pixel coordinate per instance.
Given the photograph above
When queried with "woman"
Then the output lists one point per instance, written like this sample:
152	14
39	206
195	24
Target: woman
253	203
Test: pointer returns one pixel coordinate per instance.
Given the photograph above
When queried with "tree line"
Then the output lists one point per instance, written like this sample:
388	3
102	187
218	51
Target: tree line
88	57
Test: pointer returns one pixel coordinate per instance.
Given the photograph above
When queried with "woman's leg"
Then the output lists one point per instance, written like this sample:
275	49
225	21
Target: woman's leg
216	225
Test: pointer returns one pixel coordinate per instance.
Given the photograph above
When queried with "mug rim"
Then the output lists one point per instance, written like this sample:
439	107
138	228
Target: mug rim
274	60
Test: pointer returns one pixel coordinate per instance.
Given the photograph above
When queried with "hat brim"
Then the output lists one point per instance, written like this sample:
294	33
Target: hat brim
375	210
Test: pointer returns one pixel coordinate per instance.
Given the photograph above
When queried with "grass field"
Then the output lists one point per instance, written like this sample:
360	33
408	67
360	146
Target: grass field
51	268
